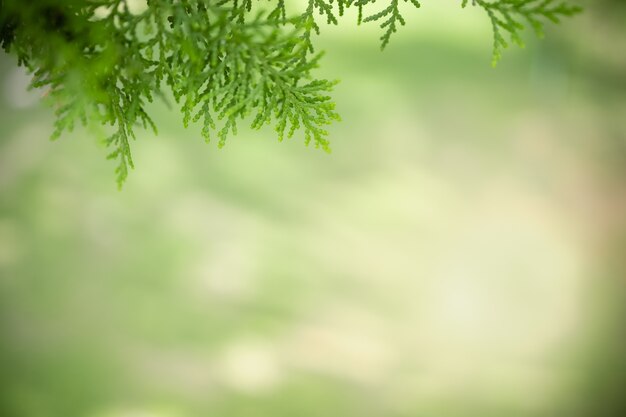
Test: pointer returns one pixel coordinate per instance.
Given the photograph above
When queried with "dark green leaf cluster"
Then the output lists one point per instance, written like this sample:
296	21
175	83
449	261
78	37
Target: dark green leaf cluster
100	62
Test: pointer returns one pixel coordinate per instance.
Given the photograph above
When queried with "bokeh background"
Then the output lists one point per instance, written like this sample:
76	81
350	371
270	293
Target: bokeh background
462	252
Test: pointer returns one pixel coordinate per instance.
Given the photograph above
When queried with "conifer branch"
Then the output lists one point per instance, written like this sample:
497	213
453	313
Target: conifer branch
224	61
508	15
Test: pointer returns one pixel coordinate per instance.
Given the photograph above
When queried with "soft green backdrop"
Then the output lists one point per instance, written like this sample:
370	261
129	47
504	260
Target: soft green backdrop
460	253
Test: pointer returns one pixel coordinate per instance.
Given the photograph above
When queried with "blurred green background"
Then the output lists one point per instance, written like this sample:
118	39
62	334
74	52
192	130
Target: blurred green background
460	253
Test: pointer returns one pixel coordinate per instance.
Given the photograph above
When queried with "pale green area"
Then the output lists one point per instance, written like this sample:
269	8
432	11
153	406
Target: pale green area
460	253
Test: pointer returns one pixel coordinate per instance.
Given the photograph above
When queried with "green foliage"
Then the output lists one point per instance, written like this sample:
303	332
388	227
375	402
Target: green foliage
101	61
508	15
